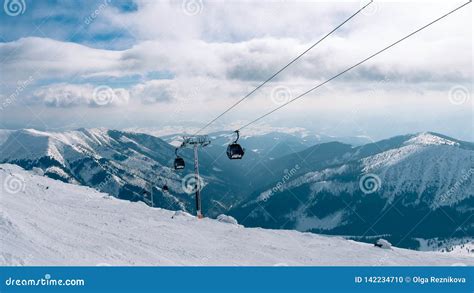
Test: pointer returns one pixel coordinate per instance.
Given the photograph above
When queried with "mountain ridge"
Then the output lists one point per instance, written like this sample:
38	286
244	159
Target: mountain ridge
412	174
316	189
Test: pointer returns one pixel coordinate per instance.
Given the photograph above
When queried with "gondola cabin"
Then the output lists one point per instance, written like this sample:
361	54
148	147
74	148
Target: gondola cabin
234	150
179	163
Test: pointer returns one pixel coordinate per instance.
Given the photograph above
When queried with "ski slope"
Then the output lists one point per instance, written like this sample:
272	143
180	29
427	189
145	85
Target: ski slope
48	222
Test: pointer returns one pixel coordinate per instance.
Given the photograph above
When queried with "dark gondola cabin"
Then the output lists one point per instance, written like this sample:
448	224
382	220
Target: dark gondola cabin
234	150
178	163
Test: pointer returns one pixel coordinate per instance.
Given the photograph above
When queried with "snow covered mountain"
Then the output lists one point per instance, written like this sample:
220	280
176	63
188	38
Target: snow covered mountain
111	161
129	166
460	246
48	222
133	166
408	187
413	186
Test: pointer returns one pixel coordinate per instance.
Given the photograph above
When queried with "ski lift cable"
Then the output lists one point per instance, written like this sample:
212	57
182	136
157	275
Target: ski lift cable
353	66
283	68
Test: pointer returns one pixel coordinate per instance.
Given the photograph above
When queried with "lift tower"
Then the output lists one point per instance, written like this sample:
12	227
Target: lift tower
196	141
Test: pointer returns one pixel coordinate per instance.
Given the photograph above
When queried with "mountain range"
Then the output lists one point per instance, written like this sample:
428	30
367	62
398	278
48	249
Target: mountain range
405	187
408	187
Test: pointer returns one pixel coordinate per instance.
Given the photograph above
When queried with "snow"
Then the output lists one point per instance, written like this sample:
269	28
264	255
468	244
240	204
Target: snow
227	219
427	138
55	144
306	223
390	158
58	171
176	142
317	178
163	130
254	130
425	162
382	243
411	147
48	222
457	246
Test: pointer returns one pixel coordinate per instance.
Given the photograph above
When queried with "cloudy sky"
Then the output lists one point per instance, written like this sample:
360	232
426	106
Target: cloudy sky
160	64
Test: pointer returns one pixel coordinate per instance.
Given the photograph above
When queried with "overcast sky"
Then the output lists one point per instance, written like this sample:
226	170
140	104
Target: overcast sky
156	64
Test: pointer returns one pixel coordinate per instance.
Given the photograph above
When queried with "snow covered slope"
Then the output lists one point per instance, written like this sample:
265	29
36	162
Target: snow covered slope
48	222
462	246
412	186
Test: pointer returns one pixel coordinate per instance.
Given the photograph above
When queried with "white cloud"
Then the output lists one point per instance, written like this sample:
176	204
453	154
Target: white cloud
71	95
217	56
252	60
155	91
